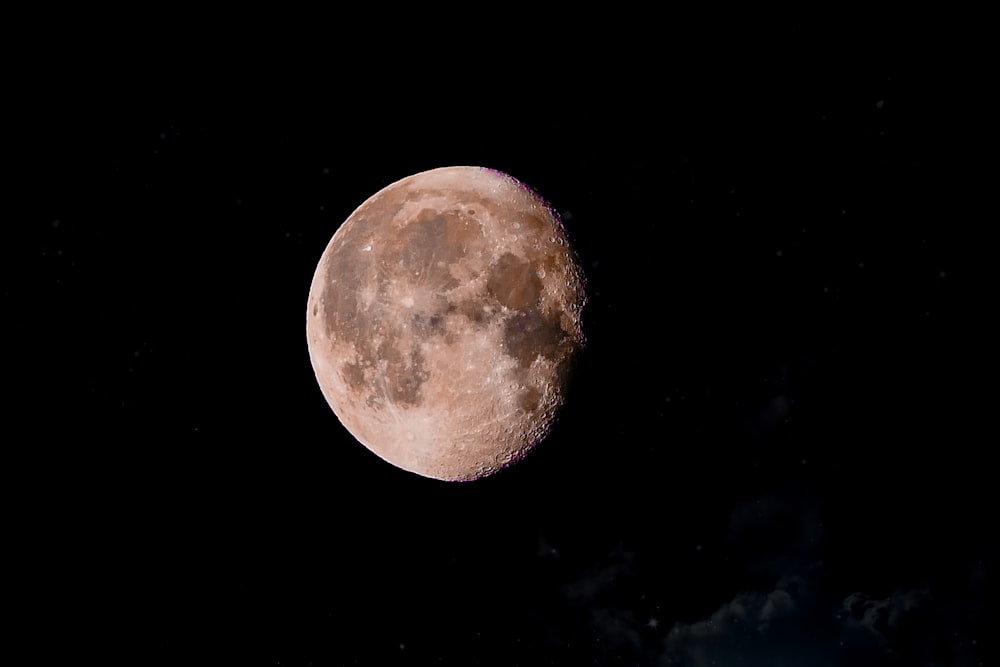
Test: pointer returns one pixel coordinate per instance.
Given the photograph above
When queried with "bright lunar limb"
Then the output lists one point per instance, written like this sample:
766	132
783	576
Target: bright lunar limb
443	320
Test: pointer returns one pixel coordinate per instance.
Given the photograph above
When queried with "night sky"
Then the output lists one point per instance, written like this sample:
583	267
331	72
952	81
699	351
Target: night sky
773	452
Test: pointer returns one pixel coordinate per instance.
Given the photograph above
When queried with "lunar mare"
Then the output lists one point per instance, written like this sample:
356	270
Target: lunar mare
443	319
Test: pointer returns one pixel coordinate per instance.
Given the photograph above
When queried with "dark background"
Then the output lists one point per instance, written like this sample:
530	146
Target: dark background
774	452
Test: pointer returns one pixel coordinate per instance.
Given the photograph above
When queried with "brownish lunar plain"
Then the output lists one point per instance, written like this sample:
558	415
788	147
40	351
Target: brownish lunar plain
443	321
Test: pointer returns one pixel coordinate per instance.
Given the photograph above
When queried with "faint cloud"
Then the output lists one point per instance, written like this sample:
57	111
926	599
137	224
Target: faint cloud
881	617
911	627
601	579
751	627
603	592
789	612
755	610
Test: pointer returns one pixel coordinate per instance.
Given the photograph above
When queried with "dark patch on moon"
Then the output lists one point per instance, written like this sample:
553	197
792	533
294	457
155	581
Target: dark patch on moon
528	399
353	375
345	268
425	248
403	373
529	334
426	327
404	385
472	310
533	224
431	242
514	282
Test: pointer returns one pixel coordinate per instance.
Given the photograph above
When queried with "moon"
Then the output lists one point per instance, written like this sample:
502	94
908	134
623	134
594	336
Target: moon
443	321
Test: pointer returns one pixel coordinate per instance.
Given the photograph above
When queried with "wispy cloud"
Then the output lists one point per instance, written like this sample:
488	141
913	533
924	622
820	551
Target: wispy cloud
771	627
797	616
882	617
916	626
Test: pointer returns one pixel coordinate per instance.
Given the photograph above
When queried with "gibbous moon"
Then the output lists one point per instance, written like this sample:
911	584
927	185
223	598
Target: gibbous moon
443	320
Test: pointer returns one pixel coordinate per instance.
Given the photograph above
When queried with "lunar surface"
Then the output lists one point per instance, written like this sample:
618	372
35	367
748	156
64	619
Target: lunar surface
443	321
